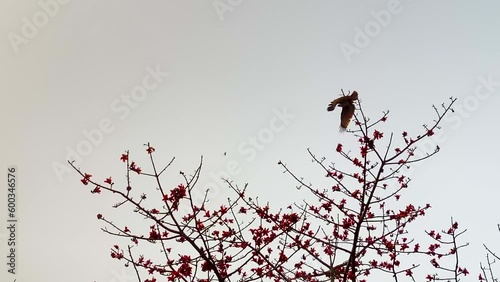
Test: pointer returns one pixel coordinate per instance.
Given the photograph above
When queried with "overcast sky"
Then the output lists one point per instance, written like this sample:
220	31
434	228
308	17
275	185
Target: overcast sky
87	80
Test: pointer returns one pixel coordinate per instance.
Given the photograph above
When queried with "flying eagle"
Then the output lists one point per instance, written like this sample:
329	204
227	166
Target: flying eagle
347	104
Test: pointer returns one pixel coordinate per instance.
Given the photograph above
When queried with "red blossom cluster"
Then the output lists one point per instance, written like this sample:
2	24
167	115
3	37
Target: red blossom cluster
349	231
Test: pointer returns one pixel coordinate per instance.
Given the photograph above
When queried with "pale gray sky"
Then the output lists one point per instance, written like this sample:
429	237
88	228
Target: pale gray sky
215	73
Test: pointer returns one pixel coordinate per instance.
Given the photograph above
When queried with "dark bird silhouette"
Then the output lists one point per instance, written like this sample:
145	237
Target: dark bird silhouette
347	105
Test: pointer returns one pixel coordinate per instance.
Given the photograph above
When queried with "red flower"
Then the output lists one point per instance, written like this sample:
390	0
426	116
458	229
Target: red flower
86	178
416	248
200	225
339	148
126	229
206	266
364	150
116	255
283	257
355	194
124	157
99	216
405	133
384	118
96	190
176	194
150	150
377	134
154	235
108	180
135	168
434	263
357	162
328	250
430	132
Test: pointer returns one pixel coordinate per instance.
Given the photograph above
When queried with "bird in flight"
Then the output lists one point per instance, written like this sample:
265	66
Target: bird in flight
347	105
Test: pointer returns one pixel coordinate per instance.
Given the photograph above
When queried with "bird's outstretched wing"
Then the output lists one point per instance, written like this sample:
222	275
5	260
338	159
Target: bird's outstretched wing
346	115
343	101
334	103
